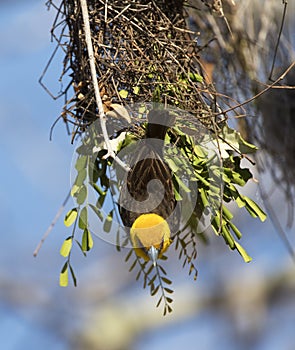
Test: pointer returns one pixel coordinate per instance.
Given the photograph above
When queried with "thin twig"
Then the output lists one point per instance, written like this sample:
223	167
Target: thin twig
54	221
279	39
281	77
102	116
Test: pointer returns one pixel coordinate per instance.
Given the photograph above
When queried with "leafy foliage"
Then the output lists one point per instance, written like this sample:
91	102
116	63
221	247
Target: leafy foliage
213	177
155	277
216	181
166	70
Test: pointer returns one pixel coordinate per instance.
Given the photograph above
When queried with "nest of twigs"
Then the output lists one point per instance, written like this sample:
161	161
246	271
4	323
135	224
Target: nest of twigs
143	52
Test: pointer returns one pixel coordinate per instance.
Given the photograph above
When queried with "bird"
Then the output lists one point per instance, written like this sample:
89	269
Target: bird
147	203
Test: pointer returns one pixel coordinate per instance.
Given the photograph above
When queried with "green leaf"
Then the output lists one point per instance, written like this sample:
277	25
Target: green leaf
240	202
83	218
202	179
198	150
203	196
136	90
133	265
66	247
64	276
166	280
235	173
80	178
228	237
177	195
98	189
196	78
236	231
81	163
70	217
168	309
73	276
254	209
169	300
234	139
97	211
108	222
100	201
182	184
247	258
138	275
123	93
159	301
227	213
238	179
142	109
87	241
154	291
74	190
81	195
174	168
128	255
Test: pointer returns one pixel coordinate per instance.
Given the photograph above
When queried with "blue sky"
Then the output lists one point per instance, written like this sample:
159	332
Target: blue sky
34	180
34	175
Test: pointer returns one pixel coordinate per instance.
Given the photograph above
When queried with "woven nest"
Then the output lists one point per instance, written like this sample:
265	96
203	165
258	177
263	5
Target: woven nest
143	51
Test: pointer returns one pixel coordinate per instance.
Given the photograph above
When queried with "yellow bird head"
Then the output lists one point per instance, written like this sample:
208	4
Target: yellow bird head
150	236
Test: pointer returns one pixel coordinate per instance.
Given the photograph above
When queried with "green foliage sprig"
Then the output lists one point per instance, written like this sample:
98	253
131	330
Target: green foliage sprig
216	177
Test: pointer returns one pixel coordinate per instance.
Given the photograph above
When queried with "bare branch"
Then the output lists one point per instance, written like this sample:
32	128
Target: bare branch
281	77
54	221
102	116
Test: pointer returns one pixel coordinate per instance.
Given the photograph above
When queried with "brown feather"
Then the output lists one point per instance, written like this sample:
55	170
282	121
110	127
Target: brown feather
148	164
